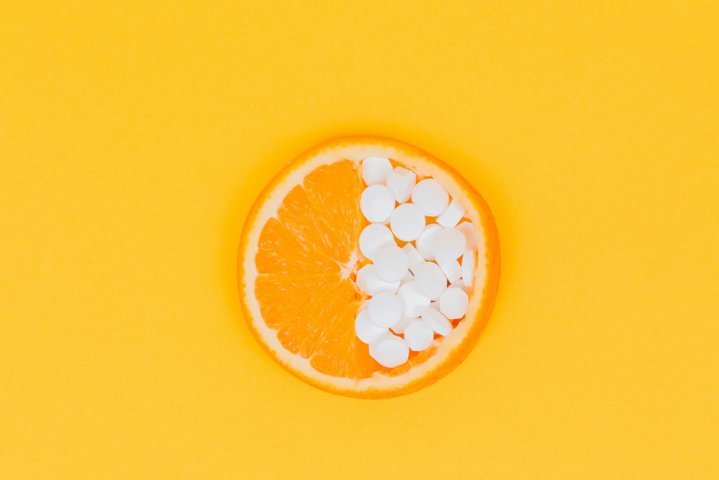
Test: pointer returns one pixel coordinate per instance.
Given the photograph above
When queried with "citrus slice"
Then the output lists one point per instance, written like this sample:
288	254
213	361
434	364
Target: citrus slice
298	262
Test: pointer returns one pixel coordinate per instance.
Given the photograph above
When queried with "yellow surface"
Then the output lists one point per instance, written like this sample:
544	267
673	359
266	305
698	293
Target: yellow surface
133	139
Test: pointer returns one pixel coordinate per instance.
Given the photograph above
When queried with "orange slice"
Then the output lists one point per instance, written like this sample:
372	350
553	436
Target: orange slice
298	260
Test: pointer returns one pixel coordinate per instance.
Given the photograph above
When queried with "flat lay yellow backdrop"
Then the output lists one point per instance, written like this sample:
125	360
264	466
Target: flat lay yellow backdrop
134	136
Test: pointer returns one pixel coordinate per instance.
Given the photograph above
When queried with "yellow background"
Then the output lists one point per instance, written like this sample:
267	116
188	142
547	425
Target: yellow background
134	137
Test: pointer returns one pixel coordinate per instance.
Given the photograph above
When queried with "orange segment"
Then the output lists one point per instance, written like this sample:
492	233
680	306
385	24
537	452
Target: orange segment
302	292
297	266
335	190
281	251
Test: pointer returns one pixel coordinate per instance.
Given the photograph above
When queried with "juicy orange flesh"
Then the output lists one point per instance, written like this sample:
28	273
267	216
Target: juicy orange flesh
306	263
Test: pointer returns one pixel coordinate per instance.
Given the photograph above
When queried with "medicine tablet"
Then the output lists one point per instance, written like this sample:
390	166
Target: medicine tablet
418	335
407	222
391	263
469	264
413	255
413	302
399	327
369	282
367	331
377	203
429	280
429	196
447	244
401	182
452	270
384	309
469	232
437	321
390	351
373	237
424	242
453	303
408	277
452	215
375	170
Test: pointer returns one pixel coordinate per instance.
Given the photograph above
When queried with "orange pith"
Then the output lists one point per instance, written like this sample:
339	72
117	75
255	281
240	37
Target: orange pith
297	268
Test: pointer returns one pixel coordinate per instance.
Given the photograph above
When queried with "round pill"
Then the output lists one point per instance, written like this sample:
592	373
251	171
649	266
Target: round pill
401	325
369	282
437	321
375	170
452	270
401	182
413	255
424	242
469	232
365	330
469	264
430	197
408	277
452	215
430	280
447	244
384	309
390	351
453	303
407	222
373	237
391	263
377	203
413	302
418	335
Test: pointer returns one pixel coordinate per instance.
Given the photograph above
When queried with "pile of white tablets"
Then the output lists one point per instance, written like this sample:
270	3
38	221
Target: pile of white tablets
423	258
